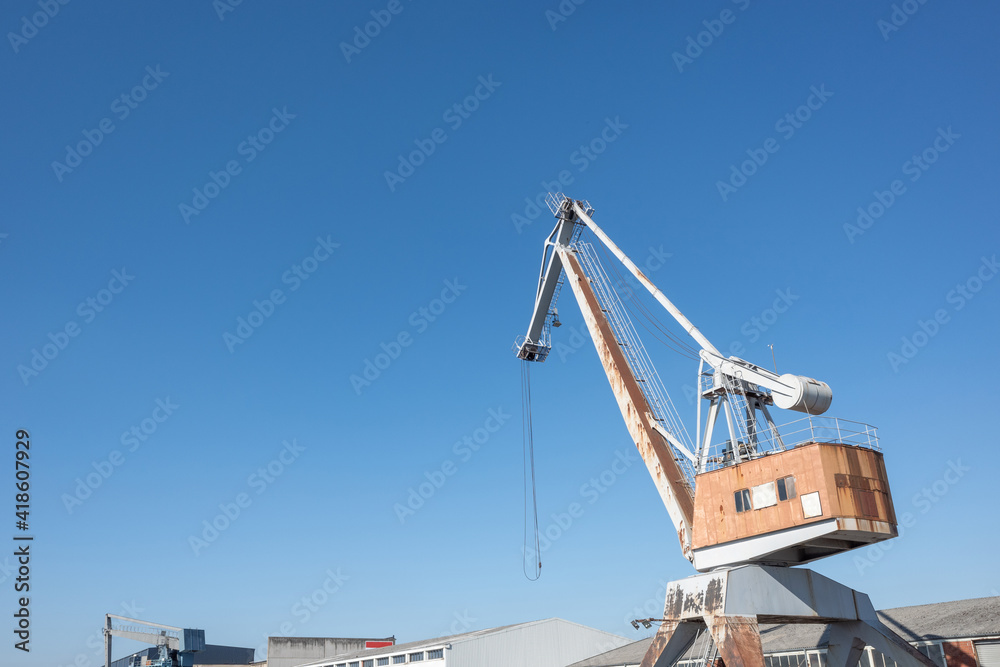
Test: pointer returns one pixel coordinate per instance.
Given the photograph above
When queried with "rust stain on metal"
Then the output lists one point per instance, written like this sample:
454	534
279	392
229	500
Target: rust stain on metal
674	604
658	457
714	600
658	644
738	640
694	603
836	471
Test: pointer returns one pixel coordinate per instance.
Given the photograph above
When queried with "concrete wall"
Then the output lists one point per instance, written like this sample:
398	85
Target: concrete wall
294	651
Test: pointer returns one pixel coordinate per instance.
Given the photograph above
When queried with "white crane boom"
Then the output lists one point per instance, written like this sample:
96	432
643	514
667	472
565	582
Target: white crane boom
646	282
792	392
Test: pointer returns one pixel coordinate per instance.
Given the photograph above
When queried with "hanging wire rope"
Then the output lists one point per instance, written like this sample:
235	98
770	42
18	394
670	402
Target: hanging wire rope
531	555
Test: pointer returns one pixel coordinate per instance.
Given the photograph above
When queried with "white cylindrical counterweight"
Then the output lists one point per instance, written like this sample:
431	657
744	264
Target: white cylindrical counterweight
807	395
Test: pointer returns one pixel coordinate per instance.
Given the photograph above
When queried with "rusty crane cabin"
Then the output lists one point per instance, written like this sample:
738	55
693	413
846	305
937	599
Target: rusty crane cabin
841	490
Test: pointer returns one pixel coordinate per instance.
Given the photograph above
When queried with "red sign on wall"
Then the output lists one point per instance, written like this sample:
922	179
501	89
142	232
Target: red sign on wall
375	644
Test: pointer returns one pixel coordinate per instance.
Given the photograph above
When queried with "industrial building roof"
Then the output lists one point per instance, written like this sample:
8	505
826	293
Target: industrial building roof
961	619
979	617
440	641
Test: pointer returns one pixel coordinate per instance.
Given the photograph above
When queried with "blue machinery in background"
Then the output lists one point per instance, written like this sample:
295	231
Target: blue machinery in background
177	646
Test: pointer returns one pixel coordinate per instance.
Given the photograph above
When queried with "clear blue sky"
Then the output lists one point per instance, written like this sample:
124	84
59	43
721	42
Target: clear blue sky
308	130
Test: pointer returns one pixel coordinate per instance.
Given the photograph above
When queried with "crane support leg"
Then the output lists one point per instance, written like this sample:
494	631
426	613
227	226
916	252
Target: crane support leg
663	468
732	601
845	639
737	639
669	643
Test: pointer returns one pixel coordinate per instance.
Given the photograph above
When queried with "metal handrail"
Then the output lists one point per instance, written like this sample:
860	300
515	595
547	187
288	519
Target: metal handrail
829	429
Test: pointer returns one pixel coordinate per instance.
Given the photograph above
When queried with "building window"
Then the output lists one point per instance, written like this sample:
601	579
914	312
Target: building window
763	496
690	663
382	661
811	505
354	664
417	657
797	659
398	659
934	651
435	654
742	501
873	658
786	488
367	663
817	658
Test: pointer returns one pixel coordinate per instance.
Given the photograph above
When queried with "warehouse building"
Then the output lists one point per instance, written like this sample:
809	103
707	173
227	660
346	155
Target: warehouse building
965	633
294	651
549	643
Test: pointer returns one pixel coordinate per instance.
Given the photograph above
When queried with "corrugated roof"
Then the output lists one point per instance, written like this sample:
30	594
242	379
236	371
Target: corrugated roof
978	617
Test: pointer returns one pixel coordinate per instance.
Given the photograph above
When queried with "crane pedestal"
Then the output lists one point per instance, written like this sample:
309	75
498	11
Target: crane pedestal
731	602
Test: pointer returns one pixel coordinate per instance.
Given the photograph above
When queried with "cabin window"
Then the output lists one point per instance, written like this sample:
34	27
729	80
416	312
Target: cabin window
743	501
763	496
786	488
934	651
811	505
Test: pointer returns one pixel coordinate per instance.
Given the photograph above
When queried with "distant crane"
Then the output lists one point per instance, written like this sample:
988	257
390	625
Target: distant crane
746	506
177	646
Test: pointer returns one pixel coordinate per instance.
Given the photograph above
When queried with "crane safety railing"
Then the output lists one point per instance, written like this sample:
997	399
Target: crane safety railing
637	358
760	440
829	429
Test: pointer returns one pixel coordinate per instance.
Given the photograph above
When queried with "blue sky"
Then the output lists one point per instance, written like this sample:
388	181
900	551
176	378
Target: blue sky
281	139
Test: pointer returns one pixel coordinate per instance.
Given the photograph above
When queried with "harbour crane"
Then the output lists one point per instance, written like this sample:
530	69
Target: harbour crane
176	646
746	504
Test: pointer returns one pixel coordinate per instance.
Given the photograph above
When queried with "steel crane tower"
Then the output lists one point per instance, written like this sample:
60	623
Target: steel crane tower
744	507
